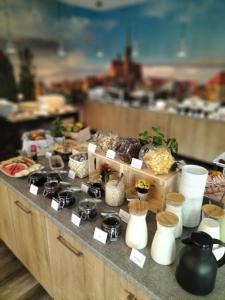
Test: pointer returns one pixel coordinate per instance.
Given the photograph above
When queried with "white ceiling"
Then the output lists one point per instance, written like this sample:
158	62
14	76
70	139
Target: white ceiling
107	4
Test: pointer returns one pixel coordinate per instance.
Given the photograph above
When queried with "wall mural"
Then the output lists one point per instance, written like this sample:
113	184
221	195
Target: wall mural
170	39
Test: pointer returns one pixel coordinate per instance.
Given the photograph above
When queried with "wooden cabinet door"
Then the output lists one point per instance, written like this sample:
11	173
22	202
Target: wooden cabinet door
7	233
67	264
94	277
31	240
117	288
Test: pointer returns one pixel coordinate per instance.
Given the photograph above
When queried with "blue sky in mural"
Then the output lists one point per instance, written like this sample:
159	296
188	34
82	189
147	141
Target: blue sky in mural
158	29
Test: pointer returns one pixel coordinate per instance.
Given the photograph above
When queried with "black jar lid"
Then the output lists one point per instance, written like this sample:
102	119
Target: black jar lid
36	175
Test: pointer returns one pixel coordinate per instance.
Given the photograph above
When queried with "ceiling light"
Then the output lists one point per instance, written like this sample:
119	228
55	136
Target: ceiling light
182	49
10	48
99	53
61	52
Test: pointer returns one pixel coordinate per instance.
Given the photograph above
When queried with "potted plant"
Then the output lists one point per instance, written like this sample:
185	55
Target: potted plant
105	172
142	187
57	131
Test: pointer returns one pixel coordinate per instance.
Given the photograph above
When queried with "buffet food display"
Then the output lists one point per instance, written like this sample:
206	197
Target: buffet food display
140	175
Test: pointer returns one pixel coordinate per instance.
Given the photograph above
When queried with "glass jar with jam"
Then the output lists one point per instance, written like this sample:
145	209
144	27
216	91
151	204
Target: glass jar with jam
51	189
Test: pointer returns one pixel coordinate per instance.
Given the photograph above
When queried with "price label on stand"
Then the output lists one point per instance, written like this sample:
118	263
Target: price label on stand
33	189
124	215
75	220
71	174
137	257
84	187
91	147
110	154
100	235
136	163
55	204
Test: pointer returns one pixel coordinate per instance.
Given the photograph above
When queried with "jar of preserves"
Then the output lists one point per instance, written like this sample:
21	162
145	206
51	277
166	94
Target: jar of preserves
51	189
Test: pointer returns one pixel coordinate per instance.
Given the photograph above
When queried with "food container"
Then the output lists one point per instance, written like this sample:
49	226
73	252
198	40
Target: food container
128	148
41	138
114	193
53	177
112	225
87	209
51	189
83	135
105	140
79	164
37	179
66	198
95	189
56	162
159	160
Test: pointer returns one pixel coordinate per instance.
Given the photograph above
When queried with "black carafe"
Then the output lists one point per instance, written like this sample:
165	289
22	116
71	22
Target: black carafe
197	267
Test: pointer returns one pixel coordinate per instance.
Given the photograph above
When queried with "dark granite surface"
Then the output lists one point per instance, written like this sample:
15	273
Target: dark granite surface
155	281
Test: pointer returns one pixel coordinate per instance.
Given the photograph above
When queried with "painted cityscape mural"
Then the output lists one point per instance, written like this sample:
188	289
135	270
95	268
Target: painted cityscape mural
179	39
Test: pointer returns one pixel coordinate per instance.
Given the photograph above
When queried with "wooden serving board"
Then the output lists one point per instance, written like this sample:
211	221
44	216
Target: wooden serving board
160	185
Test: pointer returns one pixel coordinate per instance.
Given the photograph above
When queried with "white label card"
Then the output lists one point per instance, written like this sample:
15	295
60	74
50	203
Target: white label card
71	174
137	257
55	205
100	235
124	215
48	154
75	220
33	189
110	154
84	187
136	163
91	147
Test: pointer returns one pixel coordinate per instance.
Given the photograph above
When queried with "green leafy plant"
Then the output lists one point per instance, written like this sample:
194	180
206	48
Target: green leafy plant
158	139
144	138
57	128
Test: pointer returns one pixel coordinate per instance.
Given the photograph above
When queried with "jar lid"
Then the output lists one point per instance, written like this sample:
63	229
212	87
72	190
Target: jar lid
167	219
212	210
176	199
138	207
87	204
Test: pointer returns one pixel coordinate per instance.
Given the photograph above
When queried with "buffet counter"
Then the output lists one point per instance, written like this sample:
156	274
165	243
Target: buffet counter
198	138
70	264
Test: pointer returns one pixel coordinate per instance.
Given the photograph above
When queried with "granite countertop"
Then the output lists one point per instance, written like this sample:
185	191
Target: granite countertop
154	281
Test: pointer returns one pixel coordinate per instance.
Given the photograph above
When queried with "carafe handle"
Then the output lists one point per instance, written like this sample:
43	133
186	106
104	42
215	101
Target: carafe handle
221	261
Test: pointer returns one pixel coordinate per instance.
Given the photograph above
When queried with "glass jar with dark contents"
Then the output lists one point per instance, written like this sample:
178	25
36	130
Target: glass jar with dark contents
51	189
37	179
87	209
112	225
66	198
53	176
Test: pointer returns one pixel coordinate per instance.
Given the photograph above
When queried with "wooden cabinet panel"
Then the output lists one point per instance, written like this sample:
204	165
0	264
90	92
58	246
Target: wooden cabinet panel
31	240
7	233
94	277
117	288
67	264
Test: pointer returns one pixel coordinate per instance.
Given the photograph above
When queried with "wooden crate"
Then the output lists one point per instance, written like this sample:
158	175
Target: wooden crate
160	185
